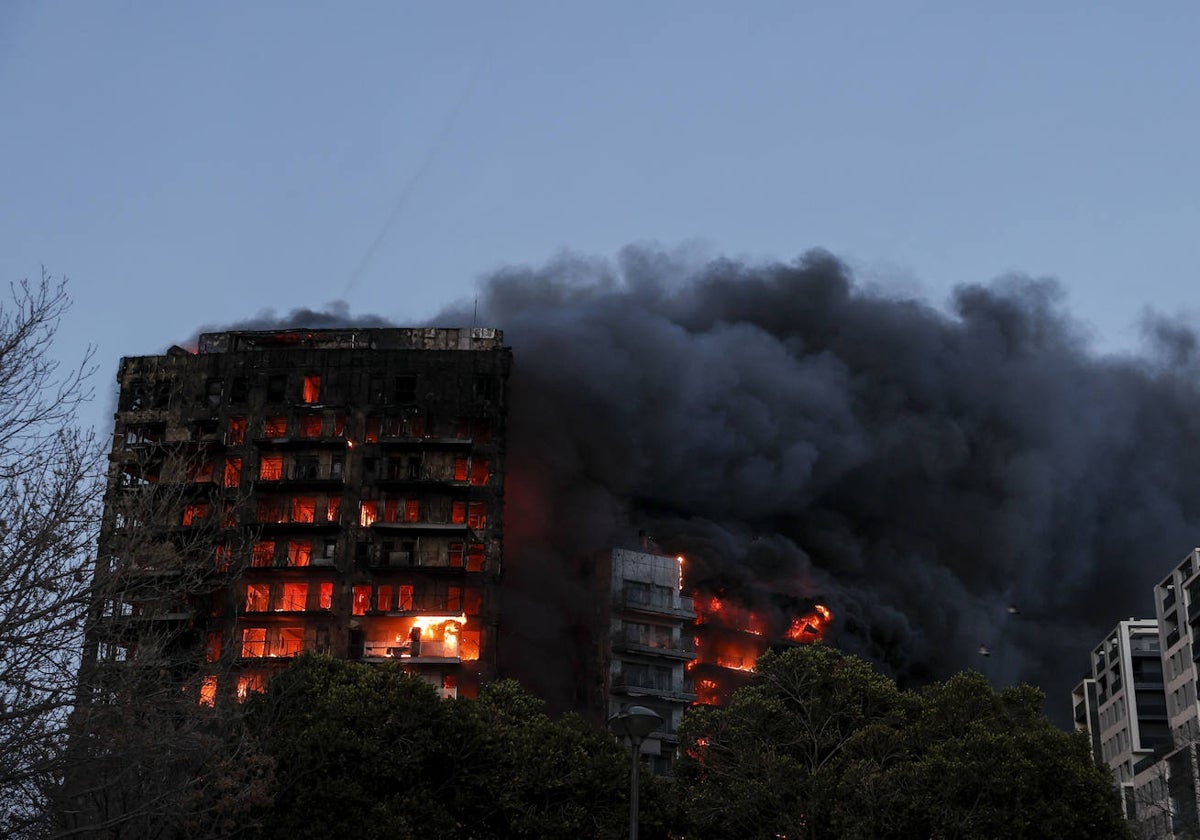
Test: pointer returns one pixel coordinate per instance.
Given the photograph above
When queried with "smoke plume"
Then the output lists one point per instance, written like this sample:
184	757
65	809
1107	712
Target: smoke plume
794	436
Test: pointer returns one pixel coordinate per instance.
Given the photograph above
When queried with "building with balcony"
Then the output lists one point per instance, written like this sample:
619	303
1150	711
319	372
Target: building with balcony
336	491
649	624
1121	703
1138	704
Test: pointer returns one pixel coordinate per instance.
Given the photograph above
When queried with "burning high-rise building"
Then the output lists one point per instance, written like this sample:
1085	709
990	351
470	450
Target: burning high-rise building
334	490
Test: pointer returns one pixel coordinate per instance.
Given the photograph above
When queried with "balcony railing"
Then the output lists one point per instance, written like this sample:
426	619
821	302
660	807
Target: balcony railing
426	649
637	599
681	648
675	689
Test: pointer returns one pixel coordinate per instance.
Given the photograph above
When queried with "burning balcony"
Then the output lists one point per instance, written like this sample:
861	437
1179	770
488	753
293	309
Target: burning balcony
429	638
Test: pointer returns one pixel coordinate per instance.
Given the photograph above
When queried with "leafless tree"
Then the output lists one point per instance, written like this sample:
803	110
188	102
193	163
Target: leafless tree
49	502
154	749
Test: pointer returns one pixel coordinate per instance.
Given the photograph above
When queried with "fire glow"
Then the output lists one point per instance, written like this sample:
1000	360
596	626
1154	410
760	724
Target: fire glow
730	637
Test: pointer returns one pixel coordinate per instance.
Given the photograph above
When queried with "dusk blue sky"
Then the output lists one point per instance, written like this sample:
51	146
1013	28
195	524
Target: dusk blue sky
191	164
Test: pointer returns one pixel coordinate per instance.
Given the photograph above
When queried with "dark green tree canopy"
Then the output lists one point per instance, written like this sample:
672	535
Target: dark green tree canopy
821	746
371	752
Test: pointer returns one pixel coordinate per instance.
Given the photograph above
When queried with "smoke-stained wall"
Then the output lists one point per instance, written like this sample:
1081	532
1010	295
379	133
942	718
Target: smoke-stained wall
921	471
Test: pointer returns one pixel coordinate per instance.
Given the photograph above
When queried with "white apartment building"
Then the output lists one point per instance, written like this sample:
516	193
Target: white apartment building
1139	705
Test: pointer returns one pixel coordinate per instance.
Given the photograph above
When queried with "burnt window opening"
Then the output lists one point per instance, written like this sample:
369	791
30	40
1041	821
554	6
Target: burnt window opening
482	432
375	391
361	600
311	393
250	684
205	430
137	396
212	647
270	467
262	555
299	553
200	473
236	433
162	394
293	598
214	389
233	472
479	471
142	435
303	509
337	467
368	513
254	642
196	513
329	550
270	511
362	554
475	558
306	468
276	387
275	427
310	425
406	389
239	390
258	597
414	466
484	387
476	515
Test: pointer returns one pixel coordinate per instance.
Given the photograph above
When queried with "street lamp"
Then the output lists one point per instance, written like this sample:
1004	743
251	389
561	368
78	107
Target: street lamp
634	723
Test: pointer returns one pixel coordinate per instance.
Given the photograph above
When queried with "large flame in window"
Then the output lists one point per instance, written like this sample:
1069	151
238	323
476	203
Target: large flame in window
730	637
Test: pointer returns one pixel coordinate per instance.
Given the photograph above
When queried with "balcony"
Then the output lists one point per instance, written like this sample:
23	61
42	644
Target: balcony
681	690
397	438
633	642
634	599
420	527
426	651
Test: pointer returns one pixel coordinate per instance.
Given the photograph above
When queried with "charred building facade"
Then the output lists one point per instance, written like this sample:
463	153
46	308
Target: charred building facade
335	491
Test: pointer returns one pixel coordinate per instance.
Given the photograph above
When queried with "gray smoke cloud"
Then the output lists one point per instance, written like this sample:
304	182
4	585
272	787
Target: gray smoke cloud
336	314
797	437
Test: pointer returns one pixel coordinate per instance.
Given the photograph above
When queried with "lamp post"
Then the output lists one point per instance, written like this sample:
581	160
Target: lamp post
634	723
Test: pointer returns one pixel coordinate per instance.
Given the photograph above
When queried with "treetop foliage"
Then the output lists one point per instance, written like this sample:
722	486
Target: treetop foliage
821	746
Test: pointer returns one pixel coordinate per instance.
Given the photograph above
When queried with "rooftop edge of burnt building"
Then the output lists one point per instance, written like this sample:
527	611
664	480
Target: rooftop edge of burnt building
346	338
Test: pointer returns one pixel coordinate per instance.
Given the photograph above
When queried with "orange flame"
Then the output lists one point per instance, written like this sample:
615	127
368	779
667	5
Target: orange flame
729	639
810	627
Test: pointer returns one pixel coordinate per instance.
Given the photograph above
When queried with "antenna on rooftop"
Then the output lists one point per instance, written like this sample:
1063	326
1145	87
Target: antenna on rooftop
475	317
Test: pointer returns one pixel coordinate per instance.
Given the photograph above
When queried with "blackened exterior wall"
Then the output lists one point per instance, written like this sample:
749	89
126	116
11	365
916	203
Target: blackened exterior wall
339	491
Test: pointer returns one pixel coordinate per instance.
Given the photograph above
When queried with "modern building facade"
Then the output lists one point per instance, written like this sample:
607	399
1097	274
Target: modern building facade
649	629
1121	703
337	491
1138	703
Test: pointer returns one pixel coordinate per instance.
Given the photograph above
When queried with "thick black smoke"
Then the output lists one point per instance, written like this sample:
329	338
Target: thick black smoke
918	470
336	315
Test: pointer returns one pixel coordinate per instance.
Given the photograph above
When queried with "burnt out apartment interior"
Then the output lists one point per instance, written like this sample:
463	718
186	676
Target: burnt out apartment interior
337	491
